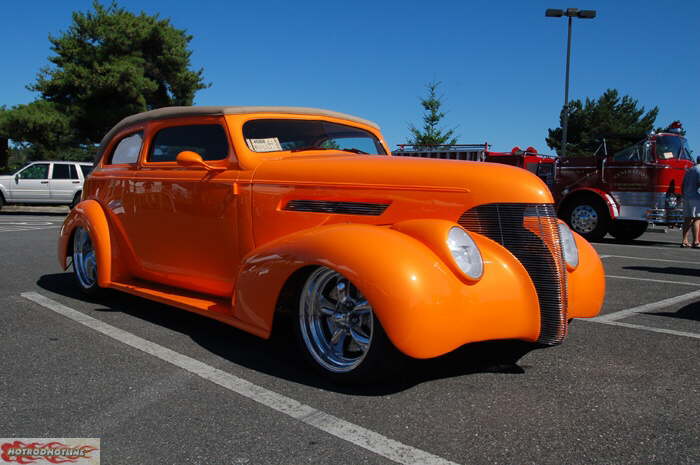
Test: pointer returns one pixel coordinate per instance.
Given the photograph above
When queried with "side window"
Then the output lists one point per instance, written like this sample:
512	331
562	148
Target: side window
208	140
127	150
86	169
61	171
73	172
35	171
628	154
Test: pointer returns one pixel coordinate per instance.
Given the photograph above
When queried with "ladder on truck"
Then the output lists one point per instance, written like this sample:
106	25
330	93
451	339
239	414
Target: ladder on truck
468	152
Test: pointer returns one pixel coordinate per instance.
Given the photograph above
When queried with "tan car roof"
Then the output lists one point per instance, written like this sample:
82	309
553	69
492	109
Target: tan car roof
176	112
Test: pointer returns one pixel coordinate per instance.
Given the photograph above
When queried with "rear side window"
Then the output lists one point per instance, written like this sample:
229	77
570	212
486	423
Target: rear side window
61	171
127	150
86	169
208	140
73	172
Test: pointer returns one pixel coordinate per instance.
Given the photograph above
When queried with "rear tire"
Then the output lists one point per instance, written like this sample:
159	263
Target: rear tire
85	263
76	200
338	332
588	217
627	230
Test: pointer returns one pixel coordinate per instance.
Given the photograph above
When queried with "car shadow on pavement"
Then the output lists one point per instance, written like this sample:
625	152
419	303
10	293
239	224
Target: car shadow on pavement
689	312
279	357
666	270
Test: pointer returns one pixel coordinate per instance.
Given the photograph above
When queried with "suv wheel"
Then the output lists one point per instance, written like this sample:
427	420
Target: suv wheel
76	200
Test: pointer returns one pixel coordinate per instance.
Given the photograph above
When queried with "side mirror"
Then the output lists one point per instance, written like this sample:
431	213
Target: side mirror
194	160
17	178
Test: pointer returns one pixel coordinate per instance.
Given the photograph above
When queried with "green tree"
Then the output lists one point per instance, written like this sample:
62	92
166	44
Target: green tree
109	64
431	134
617	119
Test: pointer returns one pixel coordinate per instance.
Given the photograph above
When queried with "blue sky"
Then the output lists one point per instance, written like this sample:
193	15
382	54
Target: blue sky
501	63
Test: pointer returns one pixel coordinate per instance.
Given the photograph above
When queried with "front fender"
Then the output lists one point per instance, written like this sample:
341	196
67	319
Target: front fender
424	307
586	282
90	215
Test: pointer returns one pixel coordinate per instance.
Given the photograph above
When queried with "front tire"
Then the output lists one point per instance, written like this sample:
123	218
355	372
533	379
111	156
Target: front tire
588	217
628	230
338	332
85	263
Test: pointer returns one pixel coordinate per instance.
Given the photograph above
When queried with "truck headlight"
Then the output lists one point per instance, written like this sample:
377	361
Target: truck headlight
465	253
671	201
568	244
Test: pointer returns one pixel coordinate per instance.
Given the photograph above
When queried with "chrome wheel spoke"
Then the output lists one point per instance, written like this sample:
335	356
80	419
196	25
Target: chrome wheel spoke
360	339
326	306
341	289
362	308
338	340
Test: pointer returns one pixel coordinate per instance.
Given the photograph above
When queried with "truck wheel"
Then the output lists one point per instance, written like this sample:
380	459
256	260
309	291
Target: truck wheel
338	332
627	230
85	263
76	200
588	217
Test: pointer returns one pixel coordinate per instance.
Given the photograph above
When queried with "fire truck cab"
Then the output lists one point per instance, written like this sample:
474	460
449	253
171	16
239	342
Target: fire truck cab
622	193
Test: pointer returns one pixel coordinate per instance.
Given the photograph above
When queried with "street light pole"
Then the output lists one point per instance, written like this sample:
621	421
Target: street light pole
570	13
565	129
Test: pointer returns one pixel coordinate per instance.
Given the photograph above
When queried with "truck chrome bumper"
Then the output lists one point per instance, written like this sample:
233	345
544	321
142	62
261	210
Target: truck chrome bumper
663	216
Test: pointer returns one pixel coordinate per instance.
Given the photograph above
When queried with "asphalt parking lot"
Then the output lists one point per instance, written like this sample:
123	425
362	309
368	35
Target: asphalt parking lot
162	386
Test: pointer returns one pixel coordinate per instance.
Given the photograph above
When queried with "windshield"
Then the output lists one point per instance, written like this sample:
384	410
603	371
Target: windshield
668	147
275	135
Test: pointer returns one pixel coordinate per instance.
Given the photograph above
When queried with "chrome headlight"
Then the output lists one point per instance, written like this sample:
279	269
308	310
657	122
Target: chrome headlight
671	200
465	253
568	244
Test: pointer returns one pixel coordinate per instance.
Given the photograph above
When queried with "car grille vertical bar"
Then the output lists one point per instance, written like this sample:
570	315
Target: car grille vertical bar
531	233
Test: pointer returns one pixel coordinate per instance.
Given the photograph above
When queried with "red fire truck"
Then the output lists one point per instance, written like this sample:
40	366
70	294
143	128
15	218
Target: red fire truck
619	193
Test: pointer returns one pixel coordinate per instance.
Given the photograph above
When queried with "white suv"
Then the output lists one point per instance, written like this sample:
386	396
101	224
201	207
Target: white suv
45	182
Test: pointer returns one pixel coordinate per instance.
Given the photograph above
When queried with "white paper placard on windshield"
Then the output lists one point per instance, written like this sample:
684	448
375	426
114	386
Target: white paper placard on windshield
668	155
271	144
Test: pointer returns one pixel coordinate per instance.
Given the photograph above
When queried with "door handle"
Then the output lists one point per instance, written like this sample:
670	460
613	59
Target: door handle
76	182
44	182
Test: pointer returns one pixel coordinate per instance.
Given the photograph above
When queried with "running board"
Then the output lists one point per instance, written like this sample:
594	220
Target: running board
217	308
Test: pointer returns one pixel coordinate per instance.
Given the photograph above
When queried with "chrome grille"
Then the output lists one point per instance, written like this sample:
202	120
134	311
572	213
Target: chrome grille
531	233
327	206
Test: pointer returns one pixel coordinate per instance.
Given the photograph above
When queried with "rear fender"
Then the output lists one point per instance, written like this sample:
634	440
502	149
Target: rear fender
424	307
89	215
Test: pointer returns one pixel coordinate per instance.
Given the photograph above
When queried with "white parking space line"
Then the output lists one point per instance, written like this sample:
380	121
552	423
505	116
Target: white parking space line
648	328
614	316
685	283
650	259
645	247
355	434
15	229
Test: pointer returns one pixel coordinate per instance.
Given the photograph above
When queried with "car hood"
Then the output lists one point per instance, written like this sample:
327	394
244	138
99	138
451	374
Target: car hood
481	182
308	190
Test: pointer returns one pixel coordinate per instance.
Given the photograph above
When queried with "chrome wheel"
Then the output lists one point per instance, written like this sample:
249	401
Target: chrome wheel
584	219
335	320
84	260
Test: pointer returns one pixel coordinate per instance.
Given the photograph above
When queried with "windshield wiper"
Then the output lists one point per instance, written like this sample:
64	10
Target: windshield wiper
316	147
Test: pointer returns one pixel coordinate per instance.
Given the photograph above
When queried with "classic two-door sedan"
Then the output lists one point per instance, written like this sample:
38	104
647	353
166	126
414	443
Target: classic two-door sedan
238	213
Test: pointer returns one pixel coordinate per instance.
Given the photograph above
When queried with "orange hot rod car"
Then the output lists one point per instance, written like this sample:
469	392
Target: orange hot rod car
237	213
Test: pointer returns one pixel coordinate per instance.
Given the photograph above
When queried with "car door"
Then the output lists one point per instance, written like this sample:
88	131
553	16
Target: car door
31	184
64	182
181	221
